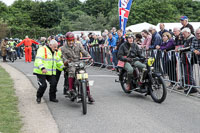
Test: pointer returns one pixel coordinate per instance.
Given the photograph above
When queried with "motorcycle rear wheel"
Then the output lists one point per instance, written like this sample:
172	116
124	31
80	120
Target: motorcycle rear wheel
158	89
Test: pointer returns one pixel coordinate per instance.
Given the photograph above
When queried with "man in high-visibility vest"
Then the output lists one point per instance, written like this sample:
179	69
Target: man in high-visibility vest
28	48
45	65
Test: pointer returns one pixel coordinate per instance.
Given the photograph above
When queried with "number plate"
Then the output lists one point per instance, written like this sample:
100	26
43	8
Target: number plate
82	76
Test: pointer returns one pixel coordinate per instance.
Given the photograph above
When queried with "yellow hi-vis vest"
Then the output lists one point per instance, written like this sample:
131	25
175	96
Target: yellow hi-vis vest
45	59
59	56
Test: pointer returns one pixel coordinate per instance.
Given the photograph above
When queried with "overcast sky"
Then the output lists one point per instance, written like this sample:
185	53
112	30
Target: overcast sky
9	2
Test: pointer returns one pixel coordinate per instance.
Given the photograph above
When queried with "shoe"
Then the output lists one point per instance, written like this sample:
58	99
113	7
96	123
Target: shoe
20	58
38	100
54	100
113	69
193	90
128	87
180	88
72	94
91	99
170	86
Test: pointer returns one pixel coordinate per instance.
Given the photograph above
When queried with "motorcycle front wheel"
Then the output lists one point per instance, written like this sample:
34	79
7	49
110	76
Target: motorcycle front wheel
12	57
84	97
123	81
158	89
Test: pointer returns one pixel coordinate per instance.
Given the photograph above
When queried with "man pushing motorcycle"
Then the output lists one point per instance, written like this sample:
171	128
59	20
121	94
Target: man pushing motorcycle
71	52
130	54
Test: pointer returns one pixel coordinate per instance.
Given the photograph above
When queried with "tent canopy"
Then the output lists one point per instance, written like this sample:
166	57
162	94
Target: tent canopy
139	27
178	25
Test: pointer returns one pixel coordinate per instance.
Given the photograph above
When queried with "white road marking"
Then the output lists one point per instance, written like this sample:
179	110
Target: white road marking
105	76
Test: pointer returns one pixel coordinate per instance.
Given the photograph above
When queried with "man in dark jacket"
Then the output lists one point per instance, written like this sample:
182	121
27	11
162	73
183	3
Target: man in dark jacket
156	38
128	52
162	29
184	22
188	66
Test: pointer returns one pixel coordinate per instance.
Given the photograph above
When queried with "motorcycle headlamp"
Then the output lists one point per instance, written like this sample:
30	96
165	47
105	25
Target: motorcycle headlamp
150	61
81	65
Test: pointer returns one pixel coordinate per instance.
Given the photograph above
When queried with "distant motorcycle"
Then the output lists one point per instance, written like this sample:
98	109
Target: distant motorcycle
80	84
12	54
150	83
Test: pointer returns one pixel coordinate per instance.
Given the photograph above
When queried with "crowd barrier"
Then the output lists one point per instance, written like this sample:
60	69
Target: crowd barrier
180	69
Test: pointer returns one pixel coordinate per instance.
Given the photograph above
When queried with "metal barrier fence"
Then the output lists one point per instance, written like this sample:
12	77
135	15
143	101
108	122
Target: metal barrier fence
181	70
101	55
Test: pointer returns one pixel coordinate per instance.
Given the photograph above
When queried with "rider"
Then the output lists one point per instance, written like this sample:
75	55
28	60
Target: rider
71	53
129	53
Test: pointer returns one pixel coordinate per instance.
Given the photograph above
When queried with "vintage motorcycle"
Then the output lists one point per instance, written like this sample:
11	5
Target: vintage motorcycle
150	83
12	54
80	84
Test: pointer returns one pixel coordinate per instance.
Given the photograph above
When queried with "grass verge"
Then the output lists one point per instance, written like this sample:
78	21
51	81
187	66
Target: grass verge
10	121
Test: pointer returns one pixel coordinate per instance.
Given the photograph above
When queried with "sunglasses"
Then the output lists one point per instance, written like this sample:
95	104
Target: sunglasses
70	41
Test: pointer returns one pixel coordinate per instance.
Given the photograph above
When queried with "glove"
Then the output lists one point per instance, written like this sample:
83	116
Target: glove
66	63
129	59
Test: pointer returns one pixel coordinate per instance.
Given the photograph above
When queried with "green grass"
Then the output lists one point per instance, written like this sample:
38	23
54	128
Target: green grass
10	121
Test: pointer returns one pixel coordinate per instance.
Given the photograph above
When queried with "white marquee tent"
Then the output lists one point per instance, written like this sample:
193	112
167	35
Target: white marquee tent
179	25
139	27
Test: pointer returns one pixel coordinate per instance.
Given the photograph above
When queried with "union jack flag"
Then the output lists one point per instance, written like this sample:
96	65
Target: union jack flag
124	9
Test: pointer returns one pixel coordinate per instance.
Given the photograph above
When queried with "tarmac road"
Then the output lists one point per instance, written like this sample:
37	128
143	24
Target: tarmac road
117	112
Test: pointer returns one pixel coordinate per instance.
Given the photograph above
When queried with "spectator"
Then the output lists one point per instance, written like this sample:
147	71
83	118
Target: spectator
178	38
84	42
113	50
120	40
188	67
101	41
169	61
4	44
138	40
162	29
156	38
168	42
195	47
114	33
147	39
185	23
95	40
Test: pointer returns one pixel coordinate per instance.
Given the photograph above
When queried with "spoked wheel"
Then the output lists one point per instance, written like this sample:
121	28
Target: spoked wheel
158	90
84	97
123	82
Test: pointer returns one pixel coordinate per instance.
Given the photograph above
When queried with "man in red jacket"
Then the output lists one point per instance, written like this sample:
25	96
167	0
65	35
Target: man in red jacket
28	49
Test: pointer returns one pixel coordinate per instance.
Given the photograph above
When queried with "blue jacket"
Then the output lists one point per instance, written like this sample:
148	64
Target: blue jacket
156	40
113	43
115	36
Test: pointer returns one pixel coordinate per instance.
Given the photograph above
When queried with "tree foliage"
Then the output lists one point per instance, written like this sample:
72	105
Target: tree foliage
37	18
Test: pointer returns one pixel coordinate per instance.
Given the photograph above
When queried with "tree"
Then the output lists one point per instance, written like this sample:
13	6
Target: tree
3	29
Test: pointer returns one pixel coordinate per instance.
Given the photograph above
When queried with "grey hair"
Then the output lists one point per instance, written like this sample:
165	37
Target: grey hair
177	28
197	29
186	29
26	36
53	42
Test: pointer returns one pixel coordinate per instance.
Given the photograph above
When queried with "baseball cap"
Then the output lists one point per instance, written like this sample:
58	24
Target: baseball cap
183	17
